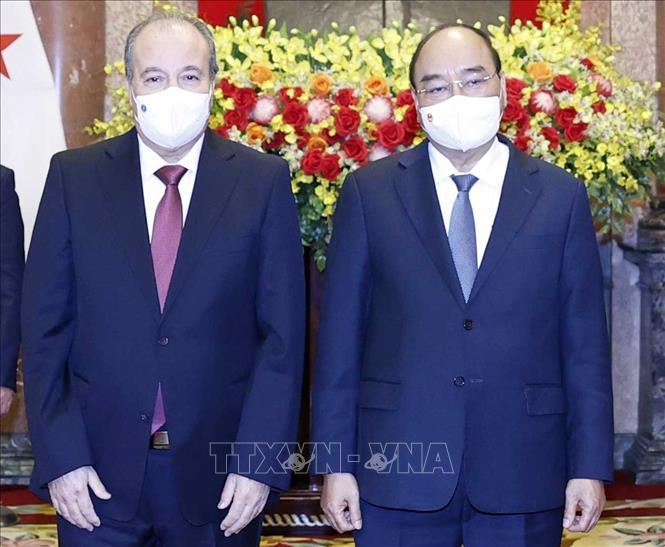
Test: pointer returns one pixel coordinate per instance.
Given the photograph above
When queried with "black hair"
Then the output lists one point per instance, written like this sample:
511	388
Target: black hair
429	35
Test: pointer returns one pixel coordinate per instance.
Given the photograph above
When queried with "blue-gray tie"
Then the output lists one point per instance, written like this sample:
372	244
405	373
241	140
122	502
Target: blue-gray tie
462	236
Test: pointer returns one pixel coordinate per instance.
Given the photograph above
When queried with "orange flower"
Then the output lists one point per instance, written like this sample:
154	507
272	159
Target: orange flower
260	73
372	131
540	71
376	86
255	133
317	143
321	84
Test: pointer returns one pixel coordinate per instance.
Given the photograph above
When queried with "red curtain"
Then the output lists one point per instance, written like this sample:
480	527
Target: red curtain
217	12
525	10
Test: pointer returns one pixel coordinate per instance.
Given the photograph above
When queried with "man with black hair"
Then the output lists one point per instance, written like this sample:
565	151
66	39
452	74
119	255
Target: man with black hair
463	369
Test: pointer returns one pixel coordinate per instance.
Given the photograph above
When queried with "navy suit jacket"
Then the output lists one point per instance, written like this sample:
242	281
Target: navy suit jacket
228	349
12	260
516	382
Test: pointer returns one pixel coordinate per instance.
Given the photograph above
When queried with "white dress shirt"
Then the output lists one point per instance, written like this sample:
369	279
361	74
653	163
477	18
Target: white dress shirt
484	194
153	188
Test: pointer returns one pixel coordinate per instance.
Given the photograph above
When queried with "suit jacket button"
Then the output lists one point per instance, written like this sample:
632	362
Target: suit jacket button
144	417
468	324
459	381
164	341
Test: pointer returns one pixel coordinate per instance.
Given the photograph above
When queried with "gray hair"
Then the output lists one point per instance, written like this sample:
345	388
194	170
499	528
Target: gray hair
171	17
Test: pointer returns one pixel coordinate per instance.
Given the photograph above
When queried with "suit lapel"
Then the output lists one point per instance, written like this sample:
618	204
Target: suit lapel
518	196
416	189
120	176
216	178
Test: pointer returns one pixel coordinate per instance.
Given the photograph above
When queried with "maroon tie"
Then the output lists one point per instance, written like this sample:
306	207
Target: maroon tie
166	232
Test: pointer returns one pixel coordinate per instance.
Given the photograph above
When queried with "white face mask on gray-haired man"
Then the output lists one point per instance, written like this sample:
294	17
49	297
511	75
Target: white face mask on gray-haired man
170	86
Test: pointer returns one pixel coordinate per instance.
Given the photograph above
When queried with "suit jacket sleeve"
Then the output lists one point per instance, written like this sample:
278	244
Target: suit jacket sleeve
11	278
271	406
343	319
48	314
585	350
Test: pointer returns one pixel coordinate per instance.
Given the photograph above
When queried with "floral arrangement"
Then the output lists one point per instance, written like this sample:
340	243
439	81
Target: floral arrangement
567	104
330	104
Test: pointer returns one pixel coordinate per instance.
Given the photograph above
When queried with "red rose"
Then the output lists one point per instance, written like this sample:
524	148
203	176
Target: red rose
345	97
311	162
404	97
355	149
411	120
552	135
284	94
276	142
524	121
542	100
222	132
391	134
513	111
575	132
236	117
599	107
244	99
564	83
228	89
514	87
302	140
565	116
295	114
408	139
587	63
347	121
522	142
330	139
330	168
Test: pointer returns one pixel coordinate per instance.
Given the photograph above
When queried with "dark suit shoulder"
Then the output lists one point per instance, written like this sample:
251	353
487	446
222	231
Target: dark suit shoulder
380	171
91	153
7	179
556	181
246	153
259	170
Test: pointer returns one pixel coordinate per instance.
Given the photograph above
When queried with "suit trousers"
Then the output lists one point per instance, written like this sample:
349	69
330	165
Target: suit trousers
159	521
459	522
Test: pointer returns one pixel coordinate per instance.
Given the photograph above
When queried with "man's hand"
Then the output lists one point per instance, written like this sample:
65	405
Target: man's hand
249	498
340	501
6	397
71	498
588	496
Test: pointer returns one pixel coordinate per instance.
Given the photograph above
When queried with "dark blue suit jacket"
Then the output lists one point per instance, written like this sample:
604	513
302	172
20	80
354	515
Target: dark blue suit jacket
516	381
228	348
12	260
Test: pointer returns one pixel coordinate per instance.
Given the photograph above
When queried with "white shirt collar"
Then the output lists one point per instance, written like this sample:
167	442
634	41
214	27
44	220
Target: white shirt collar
151	161
484	170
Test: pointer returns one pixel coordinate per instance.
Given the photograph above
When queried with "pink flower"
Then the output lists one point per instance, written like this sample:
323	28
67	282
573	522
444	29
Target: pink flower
603	85
265	109
377	152
318	109
378	109
542	100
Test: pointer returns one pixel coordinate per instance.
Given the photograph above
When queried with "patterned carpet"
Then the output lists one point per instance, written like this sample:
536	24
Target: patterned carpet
296	521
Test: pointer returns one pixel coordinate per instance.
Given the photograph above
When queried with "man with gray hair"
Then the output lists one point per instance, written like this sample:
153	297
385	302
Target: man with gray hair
163	316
